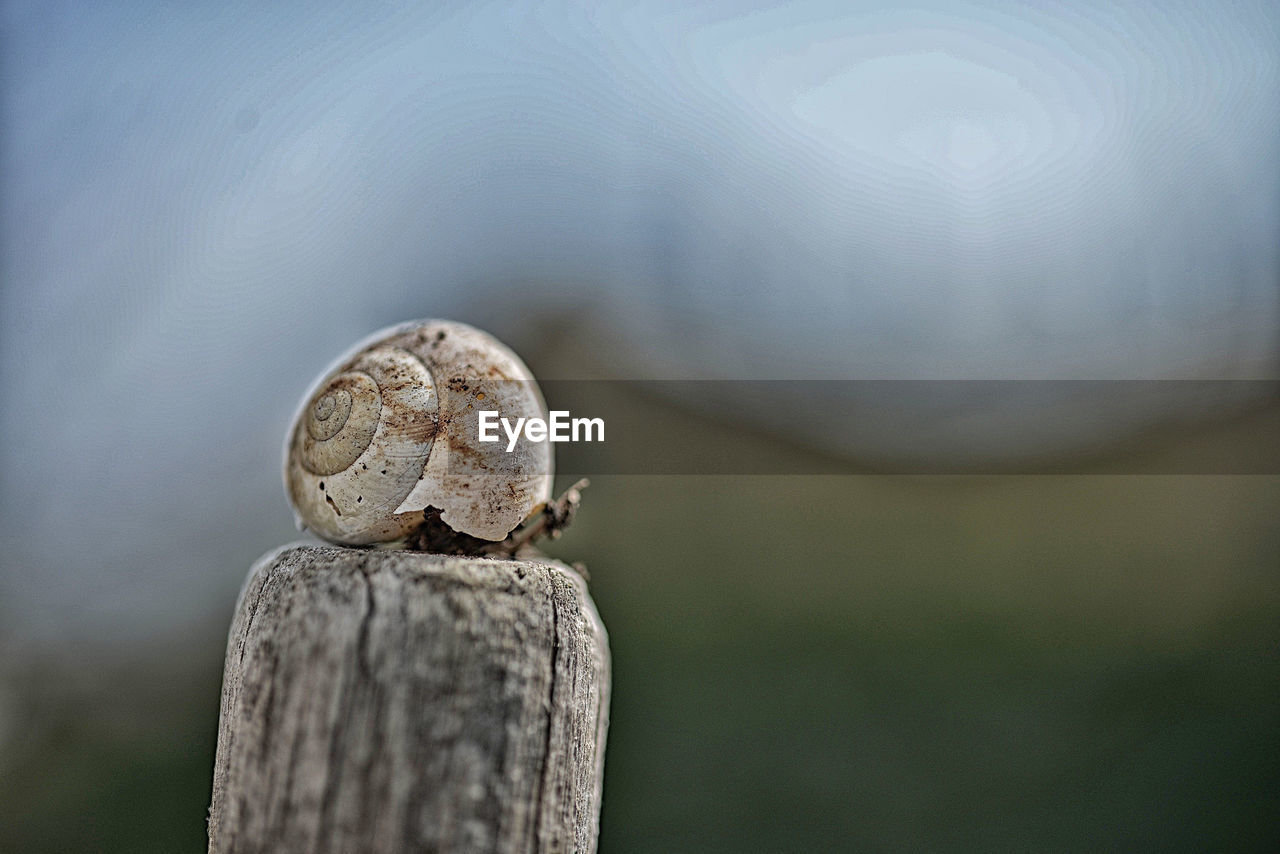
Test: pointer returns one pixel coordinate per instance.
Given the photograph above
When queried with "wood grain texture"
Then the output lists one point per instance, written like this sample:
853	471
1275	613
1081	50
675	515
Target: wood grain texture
384	701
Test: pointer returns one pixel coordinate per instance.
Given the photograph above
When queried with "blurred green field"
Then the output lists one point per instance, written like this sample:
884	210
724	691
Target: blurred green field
894	664
814	663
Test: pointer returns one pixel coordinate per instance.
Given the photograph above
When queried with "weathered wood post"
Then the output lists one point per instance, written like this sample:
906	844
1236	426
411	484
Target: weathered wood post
395	701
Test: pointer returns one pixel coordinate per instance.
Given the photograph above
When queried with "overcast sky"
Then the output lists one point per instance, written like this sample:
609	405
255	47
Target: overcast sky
204	203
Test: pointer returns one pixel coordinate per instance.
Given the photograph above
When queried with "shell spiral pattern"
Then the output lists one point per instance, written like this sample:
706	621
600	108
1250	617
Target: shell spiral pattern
391	431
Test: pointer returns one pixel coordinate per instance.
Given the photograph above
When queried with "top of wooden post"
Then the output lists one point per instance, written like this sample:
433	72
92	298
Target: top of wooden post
401	701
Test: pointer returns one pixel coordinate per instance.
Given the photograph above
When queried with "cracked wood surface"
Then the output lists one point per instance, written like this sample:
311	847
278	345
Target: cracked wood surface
390	701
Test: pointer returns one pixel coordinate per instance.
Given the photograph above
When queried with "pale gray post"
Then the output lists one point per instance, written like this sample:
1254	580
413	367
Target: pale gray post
391	701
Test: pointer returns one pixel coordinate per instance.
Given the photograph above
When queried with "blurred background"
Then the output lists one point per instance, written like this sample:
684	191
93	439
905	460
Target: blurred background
201	205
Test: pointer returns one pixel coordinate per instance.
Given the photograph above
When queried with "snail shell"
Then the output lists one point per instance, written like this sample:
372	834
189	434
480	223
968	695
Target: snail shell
391	430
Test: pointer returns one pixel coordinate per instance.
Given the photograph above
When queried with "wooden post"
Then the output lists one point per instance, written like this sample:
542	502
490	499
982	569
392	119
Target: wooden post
391	701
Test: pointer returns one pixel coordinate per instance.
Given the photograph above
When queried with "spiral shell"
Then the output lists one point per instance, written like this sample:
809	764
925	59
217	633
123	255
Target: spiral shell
391	430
